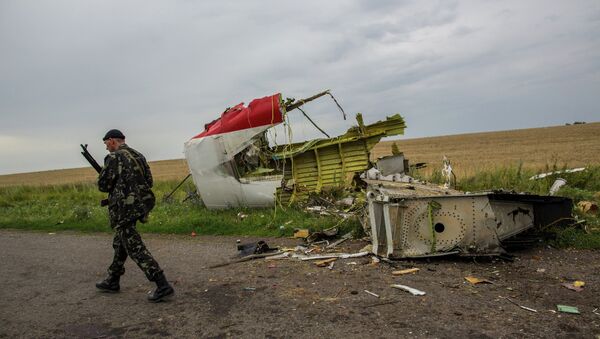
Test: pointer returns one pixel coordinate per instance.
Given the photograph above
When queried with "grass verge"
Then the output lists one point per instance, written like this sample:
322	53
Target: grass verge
76	207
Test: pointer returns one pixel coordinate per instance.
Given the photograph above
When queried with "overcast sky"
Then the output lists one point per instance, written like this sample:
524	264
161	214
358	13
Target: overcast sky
160	70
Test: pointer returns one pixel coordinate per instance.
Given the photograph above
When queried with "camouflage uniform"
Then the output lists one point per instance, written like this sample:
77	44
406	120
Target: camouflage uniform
127	179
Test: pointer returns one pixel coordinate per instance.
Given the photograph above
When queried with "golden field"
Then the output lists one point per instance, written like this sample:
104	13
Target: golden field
535	148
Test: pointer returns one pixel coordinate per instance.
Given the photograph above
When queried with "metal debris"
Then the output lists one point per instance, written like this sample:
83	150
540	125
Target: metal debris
408	289
371	293
406	271
521	306
408	224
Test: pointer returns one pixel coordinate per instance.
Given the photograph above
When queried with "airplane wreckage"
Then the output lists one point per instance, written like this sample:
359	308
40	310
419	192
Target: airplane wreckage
232	164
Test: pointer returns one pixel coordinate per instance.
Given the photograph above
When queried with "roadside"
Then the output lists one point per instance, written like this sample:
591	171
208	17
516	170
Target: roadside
49	291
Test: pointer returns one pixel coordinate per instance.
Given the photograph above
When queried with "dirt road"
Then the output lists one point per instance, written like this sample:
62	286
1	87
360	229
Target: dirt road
48	291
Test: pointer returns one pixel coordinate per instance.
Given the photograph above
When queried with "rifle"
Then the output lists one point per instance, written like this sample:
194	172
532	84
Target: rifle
90	158
95	165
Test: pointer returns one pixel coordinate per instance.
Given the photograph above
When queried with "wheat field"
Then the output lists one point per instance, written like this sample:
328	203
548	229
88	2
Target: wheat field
535	148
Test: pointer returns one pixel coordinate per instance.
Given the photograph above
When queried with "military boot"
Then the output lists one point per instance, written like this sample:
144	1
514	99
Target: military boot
110	284
163	289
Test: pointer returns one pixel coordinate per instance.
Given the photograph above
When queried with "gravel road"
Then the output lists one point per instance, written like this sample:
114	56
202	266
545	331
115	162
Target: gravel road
48	291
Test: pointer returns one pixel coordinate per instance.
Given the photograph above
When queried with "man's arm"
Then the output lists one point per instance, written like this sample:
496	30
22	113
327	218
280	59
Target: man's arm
148	174
108	175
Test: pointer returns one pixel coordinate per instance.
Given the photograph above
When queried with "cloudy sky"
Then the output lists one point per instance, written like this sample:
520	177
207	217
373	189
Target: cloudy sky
160	70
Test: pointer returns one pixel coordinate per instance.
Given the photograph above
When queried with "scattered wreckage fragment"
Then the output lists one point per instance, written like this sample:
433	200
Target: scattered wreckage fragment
405	224
232	163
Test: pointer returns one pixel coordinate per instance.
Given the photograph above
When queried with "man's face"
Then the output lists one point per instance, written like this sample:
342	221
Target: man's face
111	145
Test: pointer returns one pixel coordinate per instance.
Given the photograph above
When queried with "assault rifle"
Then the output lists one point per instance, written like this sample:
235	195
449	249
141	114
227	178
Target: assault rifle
95	165
90	158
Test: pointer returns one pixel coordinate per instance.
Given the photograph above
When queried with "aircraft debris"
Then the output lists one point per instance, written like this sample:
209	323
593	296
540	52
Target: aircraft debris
425	221
572	287
408	289
521	306
406	271
475	280
371	293
587	207
232	163
302	233
558	183
567	309
543	175
325	262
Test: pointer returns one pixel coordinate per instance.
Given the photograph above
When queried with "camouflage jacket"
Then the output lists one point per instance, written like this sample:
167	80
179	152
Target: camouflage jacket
127	179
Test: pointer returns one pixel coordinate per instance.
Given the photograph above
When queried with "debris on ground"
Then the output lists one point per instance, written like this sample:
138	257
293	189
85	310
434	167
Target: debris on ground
475	280
567	309
576	286
408	289
406	271
325	262
521	306
254	248
587	207
326	234
558	183
371	293
543	175
303	233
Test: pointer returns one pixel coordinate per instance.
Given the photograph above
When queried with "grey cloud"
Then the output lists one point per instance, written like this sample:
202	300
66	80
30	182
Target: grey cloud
160	70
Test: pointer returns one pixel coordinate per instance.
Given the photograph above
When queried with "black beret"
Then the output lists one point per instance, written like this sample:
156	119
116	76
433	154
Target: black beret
113	133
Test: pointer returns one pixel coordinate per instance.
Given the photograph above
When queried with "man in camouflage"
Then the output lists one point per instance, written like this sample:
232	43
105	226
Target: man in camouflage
127	179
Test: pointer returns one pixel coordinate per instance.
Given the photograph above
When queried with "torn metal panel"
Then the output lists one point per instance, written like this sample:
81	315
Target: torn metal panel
469	224
232	163
211	155
319	163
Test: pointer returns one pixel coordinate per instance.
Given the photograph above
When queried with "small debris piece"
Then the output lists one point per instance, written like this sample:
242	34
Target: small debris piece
246	258
322	235
249	288
242	216
543	175
521	306
371	293
284	255
587	207
408	289
325	262
344	238
193	234
368	248
541	270
567	309
578	283
558	183
406	271
303	233
572	287
332	255
475	280
331	265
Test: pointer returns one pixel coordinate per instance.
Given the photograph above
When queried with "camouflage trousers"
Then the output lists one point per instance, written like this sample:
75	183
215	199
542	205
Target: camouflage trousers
128	242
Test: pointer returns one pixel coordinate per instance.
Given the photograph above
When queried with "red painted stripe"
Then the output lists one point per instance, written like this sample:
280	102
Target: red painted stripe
260	112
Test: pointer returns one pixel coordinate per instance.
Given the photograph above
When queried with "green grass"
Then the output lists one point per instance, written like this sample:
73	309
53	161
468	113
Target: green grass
76	207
